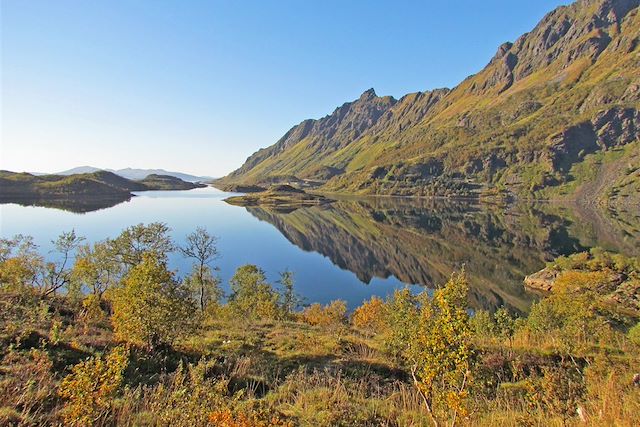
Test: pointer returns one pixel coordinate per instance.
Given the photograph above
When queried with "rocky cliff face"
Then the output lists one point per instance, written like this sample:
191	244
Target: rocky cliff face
566	90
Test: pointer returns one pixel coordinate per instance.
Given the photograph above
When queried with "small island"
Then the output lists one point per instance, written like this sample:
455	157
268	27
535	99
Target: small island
279	196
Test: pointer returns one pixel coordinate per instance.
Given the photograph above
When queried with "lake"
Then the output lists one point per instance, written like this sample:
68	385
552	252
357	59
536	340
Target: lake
355	247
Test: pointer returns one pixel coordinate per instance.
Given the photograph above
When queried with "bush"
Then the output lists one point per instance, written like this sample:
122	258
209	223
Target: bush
252	296
91	387
370	315
400	315
482	324
333	314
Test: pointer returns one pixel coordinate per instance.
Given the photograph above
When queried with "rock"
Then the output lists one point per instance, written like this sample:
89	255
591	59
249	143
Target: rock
617	127
543	280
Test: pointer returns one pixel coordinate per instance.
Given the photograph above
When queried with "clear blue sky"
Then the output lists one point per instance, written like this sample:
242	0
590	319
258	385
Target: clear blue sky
197	86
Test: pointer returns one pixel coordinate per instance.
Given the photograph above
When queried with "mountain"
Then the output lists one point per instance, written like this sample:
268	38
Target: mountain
552	115
136	174
77	170
101	184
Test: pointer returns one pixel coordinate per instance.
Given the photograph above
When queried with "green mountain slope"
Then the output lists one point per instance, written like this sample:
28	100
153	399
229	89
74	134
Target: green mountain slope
564	94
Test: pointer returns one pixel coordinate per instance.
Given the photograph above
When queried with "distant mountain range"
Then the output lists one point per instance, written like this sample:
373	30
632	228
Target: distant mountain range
553	115
135	174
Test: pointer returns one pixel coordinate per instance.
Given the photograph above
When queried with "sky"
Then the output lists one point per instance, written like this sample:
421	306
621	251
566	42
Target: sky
197	86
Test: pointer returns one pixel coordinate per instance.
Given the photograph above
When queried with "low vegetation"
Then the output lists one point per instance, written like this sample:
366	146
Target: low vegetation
105	334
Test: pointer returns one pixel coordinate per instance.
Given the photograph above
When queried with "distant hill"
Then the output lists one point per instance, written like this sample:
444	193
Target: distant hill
167	182
79	169
555	114
99	184
136	174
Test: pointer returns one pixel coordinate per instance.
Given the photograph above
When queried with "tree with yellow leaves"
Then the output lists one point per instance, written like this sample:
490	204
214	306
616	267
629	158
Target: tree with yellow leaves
437	347
370	315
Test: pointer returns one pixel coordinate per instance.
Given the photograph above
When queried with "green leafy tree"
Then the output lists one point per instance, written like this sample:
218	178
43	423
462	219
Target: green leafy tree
203	286
438	349
251	295
150	308
505	325
96	269
201	247
401	316
20	263
482	324
290	301
134	242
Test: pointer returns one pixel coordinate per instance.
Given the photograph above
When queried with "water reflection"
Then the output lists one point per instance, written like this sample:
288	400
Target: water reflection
69	204
424	241
355	248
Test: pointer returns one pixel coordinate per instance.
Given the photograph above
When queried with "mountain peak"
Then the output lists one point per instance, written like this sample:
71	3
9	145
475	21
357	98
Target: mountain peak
368	94
566	89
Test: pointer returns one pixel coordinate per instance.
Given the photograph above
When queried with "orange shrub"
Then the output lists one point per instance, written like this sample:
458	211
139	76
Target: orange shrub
370	315
333	314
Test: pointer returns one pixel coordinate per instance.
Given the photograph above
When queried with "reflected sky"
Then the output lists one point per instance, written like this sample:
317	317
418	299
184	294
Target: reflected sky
355	248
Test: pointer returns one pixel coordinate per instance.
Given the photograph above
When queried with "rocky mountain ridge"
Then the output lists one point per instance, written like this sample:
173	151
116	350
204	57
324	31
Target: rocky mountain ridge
566	92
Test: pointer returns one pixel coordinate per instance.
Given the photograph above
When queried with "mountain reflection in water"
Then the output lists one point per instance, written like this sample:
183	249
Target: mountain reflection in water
385	242
422	241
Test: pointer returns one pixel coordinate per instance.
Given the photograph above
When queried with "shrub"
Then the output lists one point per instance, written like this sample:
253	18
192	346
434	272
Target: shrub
482	324
400	315
370	315
561	390
333	314
91	386
251	296
439	349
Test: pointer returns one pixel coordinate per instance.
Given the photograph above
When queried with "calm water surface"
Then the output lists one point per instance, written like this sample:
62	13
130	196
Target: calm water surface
354	248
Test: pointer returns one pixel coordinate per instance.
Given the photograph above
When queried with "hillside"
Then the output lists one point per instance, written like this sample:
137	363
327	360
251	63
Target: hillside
535	121
168	182
100	184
